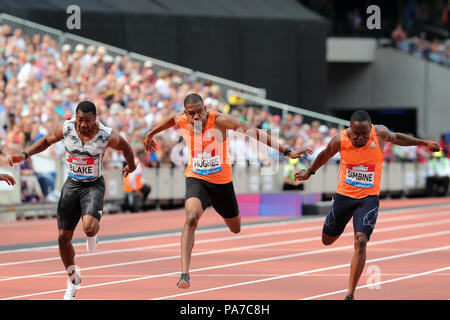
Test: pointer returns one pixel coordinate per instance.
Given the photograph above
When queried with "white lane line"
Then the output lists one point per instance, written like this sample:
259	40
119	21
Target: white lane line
232	275
303	273
173	233
274	258
380	283
233	237
264	245
252	226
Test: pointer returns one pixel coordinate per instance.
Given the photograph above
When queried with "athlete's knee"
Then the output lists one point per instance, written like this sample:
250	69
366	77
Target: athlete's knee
328	240
90	229
360	243
64	238
235	229
193	217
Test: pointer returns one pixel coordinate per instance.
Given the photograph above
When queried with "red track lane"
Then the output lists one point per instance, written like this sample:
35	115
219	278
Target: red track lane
226	266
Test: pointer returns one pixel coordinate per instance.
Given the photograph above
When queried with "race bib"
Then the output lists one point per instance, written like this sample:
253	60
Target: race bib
360	176
82	168
205	163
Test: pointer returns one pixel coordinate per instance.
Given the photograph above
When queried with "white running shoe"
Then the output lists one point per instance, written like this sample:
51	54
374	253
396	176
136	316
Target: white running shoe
71	289
91	243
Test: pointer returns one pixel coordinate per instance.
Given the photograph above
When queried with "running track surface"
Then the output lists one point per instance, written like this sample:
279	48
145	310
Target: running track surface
282	258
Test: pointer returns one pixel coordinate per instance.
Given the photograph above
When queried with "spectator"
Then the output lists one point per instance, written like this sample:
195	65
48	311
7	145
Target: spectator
355	21
289	182
31	189
398	34
135	188
438	174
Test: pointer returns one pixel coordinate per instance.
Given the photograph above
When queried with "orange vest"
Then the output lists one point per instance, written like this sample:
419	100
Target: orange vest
208	158
128	187
361	168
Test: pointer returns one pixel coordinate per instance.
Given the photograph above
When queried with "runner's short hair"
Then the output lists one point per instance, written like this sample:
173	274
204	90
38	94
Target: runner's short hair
360	116
86	107
192	98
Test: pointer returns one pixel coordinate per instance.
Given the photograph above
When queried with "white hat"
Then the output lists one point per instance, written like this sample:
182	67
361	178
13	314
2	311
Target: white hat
79	47
90	49
323	129
101	49
148	64
66	47
115	108
67	92
108	59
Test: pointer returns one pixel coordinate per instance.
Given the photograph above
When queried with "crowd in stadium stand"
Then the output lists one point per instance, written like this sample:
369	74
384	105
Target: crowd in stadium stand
436	51
40	87
419	28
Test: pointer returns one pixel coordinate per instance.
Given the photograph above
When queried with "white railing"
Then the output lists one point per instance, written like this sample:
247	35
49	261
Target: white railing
168	184
226	85
288	108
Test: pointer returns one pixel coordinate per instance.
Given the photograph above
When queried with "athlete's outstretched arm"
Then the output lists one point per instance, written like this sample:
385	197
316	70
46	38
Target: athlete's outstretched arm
42	144
117	142
332	148
405	140
228	122
150	145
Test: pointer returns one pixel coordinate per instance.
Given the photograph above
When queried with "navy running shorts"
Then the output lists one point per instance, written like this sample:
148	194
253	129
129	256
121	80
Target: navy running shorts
79	199
220	196
364	212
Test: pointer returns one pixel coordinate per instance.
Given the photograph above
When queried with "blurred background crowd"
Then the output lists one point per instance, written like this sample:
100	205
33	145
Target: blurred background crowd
40	87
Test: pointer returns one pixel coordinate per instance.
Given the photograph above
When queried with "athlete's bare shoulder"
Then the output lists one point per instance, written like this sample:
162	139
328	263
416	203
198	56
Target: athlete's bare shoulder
177	117
382	131
335	142
226	121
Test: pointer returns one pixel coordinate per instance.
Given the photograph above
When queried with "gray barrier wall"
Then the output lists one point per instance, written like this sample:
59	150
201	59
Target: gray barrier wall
167	183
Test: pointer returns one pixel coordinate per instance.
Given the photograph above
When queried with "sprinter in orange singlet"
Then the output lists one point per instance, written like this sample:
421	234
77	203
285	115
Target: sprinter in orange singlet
208	172
361	147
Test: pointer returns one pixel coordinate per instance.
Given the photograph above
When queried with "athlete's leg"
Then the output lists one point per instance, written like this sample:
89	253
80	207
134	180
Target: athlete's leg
194	211
364	220
223	200
66	251
91	200
328	240
91	225
358	261
68	215
340	213
234	224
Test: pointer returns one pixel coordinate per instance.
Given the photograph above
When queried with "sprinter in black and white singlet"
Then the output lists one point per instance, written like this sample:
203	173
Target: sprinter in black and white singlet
85	140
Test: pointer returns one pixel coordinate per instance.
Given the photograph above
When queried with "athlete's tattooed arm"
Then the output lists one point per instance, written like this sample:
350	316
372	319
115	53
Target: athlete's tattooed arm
401	139
332	148
227	122
118	143
42	144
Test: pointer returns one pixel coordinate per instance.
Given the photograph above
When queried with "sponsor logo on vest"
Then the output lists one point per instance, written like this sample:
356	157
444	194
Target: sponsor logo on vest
205	163
360	176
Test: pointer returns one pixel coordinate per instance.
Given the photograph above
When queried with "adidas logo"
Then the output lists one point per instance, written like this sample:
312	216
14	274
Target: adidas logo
373	144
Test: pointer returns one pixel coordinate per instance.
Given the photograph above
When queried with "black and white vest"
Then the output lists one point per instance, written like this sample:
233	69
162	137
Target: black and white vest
84	162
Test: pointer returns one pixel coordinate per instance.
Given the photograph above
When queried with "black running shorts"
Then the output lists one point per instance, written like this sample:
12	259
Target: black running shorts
364	212
79	199
220	196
